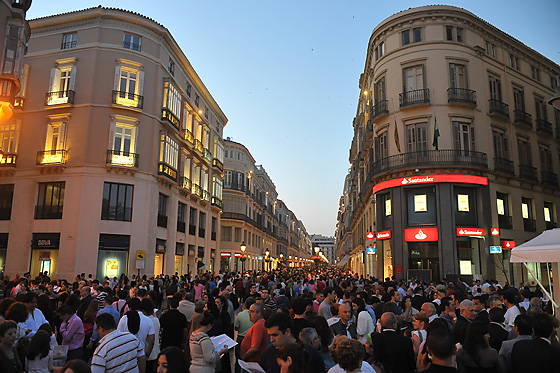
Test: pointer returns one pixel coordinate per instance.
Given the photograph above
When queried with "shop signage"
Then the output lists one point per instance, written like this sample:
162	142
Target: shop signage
44	256
370	235
225	254
237	255
140	254
398	269
495	249
371	250
470	232
429	179
420	234
383	235
495	232
507	245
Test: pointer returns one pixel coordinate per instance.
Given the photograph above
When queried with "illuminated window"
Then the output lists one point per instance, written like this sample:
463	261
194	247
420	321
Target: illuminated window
387	207
122	141
463	202
526	208
171	103
169	150
9	137
55	144
128	84
62	82
217	187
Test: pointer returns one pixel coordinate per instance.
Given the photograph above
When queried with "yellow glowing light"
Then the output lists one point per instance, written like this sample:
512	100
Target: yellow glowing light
125	101
200	112
122	160
6	110
52	158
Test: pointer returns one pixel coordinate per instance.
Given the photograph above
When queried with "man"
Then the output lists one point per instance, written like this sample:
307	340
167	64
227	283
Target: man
512	310
430	310
35	317
279	327
186	306
441	347
344	326
117	351
523	331
299	305
325	306
256	340
401	352
447	312
498	334
538	354
467	315
395	299
85	300
268	302
319	296
243	321
173	325
72	331
418	299
106	309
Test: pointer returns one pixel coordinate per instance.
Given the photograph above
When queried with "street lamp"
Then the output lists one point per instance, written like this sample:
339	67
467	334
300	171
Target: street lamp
316	260
555	100
267	260
243	248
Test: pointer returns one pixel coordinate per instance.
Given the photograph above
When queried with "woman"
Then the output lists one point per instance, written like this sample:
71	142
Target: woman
88	321
348	354
292	358
476	355
419	333
76	366
4	305
203	354
18	313
365	323
39	354
171	360
326	337
9	359
407	317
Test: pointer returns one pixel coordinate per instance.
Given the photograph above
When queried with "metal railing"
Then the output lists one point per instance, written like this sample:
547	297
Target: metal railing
181	226
417	96
8	160
68	44
59	97
432	158
162	220
205	195
117	157
196	189
185	183
521	117
380	108
528	172
505	222
544	126
530	225
167	115
498	107
217	202
48	212
198	146
188	135
52	157
219	165
128	99
549	178
461	96
504	165
133	46
207	154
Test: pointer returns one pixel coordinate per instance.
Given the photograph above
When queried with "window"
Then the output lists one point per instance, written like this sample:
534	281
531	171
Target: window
62	82
117	202
9	137
490	49
417	34
536	73
458	76
524	150
454	34
519	99
527	214
226	234
416	138
540	109
379	89
122	142
171	103
14	46
163	202
196	100
227	178
6	197
405	37
50	200
238	232
553	82
69	41
168	150
201	224
55	144
501	145
549	214
171	67
449	33
192	221
463	135
460	37
129	85
381	49
413	78
495	87
502	204
189	89
545	156
513	61
214	228
217	187
206	112
132	42
181	217
381	150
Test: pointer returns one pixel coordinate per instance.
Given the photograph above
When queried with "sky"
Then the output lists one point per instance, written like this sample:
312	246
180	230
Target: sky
286	73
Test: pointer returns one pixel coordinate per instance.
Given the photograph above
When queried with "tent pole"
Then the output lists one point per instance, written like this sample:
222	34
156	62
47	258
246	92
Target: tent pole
542	287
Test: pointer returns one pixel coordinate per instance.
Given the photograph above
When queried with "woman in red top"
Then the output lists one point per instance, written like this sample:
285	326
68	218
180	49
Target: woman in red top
89	321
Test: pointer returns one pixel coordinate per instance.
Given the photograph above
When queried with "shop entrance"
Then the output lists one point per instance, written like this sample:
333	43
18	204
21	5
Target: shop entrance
44	254
112	259
424	255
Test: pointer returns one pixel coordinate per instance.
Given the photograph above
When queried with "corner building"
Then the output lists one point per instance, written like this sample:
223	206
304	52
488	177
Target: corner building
455	150
119	152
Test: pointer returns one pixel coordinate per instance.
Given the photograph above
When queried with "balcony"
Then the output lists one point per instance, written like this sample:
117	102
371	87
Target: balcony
185	183
544	127
218	165
59	98
162	220
549	178
19	102
415	97
528	172
52	157
119	158
168	116
8	159
461	96
498	108
550	225
529	225
217	202
68	45
504	165
522	118
188	135
167	171
181	226
197	190
127	99
379	109
430	158
206	195
198	147
505	222
207	155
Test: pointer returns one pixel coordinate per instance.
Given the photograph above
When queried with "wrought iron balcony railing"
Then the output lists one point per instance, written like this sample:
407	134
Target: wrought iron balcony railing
8	159
549	178
185	183
217	202
505	222
528	172
52	157
380	108
523	118
119	158
181	226
504	165
167	115
68	45
498	108
59	97
461	96
205	195
414	97
128	99
188	135
544	126
207	154
196	189
198	147
217	164
162	220
529	225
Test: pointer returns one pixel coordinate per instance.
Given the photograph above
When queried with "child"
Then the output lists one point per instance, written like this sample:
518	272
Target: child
39	355
48	328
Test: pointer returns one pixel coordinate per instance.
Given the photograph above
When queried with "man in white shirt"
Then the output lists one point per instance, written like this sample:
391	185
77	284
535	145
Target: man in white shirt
146	333
35	318
512	310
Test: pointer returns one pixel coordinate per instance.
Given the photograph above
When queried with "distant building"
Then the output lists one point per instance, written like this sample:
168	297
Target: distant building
455	150
326	245
119	155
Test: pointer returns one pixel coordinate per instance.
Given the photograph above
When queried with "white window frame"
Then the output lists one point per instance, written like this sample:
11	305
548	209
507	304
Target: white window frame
62	81
228	176
169	150
131	45
69	40
172	98
217	187
128	67
119	156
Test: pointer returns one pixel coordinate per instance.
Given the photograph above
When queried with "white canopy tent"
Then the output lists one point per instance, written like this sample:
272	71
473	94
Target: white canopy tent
545	248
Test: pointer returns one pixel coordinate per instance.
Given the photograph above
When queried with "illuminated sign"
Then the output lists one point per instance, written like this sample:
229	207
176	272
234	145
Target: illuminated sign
388	207
398	269
429	179
470	232
495	249
44	256
463	202
507	245
371	250
383	235
465	267
420	234
501	206
420	203
225	254
495	232
370	235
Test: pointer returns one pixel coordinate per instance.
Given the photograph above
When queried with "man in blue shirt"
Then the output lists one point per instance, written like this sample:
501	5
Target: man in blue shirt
108	308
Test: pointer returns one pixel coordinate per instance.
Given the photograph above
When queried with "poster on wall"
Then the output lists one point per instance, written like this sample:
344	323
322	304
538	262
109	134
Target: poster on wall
463	202
465	267
420	204
112	268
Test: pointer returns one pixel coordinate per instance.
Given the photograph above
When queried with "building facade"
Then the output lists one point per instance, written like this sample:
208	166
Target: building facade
325	245
119	153
255	219
455	155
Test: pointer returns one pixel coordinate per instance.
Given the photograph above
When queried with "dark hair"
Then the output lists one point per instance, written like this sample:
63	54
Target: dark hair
299	355
29	297
5	304
17	312
91	311
347	353
324	331
173	302
496	314
523	324
106	321
249	302
77	366
122	294
299	305
281	320
65	310
176	359
207	319
109	299
47	328
133	321
361	305
134	304
510	297
7	325
474	338
543	325
440	343
39	345
147	306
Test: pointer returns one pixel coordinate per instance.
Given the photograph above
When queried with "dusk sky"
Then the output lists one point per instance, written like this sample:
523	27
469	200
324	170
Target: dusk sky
286	74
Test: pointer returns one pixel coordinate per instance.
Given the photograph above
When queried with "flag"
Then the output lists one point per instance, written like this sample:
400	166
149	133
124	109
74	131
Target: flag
436	135
397	142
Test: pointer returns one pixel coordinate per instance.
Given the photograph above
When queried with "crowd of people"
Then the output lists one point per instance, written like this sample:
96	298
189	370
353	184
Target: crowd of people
290	320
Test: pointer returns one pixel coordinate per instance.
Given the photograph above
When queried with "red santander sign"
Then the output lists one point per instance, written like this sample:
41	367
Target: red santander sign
507	245
429	179
370	235
383	235
495	232
470	232
420	234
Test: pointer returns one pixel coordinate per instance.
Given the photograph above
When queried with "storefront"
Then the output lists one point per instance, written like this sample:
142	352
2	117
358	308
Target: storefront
44	253
3	251
112	259
384	254
179	254
159	261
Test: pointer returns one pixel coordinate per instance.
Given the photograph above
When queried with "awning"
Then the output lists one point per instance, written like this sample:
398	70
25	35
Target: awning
343	261
541	249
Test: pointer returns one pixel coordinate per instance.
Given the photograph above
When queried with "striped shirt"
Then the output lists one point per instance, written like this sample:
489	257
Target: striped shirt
117	352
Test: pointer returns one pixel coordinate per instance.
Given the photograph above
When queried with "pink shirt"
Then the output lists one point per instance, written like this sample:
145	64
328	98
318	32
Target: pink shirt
72	333
198	291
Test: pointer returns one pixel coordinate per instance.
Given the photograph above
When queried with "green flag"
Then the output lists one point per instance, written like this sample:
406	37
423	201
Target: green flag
436	135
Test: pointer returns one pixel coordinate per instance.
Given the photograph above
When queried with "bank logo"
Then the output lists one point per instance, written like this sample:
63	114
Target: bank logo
420	235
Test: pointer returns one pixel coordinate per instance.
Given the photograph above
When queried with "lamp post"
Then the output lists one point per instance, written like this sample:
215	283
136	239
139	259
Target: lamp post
317	248
243	248
267	260
555	100
282	258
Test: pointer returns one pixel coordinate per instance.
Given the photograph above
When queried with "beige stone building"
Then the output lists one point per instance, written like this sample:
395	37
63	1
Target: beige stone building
119	152
455	154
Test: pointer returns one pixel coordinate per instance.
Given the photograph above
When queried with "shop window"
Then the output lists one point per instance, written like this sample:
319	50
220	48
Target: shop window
117	202
159	259
162	210
112	258
192	221
179	254
6	197
421	206
50	200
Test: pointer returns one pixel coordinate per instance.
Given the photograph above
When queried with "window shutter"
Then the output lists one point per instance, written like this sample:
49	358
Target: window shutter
72	78
62	136
48	139
112	128
141	83
472	138
117	78
505	146
51	82
133	147
456	136
529	155
452	75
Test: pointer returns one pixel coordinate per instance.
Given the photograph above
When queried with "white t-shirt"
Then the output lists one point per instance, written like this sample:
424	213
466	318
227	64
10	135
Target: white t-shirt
366	368
510	316
146	328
